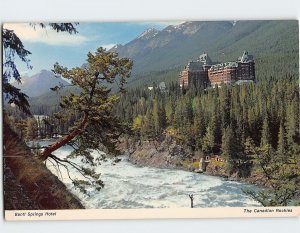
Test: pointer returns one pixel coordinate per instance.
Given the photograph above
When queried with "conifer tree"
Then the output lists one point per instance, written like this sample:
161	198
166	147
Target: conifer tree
137	124
156	117
265	134
281	145
282	177
148	129
94	102
209	140
230	150
94	106
292	123
199	127
169	113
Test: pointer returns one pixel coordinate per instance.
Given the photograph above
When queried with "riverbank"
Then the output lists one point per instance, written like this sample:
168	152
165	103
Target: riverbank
28	184
131	185
166	153
128	186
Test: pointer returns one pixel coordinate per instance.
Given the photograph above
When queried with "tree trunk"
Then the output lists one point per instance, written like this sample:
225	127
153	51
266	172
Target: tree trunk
45	154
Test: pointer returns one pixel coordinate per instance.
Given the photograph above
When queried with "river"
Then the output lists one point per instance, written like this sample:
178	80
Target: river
129	186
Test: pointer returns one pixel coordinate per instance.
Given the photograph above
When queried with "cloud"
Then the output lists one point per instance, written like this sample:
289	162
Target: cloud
45	35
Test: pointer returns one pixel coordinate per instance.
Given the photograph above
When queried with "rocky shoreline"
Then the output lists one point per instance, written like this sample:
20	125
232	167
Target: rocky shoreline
166	153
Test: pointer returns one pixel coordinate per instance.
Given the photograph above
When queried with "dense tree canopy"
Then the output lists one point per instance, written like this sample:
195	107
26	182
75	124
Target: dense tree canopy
254	126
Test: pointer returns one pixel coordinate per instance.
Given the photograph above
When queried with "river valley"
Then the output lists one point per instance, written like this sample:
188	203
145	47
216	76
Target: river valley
130	186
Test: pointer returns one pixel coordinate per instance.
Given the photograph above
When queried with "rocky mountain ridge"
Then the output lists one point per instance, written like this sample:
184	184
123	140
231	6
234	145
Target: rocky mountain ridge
39	83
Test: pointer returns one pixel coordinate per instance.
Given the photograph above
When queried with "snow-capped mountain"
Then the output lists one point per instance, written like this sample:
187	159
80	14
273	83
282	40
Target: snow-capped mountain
173	46
148	34
173	37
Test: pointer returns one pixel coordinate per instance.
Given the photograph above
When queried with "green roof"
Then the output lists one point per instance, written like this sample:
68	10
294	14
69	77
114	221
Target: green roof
194	65
221	66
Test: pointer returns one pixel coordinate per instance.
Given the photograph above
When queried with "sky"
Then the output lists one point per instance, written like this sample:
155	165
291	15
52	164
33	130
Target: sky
48	47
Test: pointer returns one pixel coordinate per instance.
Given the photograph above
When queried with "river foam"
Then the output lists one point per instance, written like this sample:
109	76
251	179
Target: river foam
129	186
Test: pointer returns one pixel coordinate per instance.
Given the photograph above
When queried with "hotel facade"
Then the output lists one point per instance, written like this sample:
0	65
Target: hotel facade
204	72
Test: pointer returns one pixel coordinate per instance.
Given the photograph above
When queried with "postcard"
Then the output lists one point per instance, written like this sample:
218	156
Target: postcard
137	120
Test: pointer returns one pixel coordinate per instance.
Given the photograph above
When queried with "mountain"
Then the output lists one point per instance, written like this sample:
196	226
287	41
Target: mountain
148	34
169	49
159	55
40	83
152	47
48	102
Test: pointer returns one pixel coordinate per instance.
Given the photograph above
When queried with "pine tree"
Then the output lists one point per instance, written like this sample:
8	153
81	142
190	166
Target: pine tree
169	113
94	103
249	145
282	175
137	125
229	149
148	129
281	145
292	123
157	118
209	140
265	134
199	127
227	144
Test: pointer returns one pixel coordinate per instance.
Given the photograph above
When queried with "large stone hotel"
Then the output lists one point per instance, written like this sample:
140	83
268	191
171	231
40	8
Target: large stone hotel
204	72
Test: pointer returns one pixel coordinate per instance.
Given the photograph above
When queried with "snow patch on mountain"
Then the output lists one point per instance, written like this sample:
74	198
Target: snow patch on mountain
117	46
186	28
148	34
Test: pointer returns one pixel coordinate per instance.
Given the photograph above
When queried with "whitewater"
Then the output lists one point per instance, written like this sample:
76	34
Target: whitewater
128	186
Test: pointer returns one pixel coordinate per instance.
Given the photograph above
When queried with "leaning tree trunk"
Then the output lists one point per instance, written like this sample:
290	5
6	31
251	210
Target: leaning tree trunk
52	147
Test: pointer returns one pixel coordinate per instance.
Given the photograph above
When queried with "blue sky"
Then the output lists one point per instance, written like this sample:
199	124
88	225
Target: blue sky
48	47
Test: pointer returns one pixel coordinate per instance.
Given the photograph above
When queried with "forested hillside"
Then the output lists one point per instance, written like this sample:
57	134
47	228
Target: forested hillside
160	55
253	127
274	44
200	117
